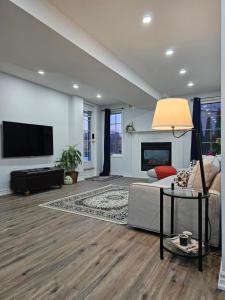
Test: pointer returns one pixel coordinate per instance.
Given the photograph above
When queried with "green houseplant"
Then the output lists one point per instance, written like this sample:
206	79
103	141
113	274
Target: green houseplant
69	161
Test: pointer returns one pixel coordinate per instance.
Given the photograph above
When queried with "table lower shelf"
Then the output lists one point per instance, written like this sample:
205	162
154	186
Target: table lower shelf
170	247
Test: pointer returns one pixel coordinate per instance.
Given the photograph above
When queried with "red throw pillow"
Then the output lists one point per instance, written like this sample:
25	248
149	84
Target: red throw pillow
165	171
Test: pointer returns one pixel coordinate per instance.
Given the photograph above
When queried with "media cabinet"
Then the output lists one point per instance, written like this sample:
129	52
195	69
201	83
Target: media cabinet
30	180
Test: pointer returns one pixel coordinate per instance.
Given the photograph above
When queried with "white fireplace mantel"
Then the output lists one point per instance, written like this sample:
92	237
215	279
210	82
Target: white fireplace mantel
144	136
152	131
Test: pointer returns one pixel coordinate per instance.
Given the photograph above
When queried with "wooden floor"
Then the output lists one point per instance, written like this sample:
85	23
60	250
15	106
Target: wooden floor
50	254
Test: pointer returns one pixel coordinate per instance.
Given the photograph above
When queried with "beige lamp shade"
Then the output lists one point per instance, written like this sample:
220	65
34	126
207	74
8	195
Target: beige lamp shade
172	113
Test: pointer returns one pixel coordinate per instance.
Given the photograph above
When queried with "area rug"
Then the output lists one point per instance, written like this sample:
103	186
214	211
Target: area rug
103	178
109	203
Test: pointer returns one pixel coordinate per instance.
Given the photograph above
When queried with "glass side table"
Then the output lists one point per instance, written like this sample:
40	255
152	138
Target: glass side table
165	241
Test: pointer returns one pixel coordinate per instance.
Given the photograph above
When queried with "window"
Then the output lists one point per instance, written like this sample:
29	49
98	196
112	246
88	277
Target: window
116	133
211	127
87	135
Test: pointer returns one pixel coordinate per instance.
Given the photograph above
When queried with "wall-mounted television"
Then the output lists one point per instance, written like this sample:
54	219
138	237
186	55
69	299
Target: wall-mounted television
23	140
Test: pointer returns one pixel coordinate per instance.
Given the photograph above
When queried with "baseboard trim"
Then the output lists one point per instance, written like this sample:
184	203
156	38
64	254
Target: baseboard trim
5	191
221	283
80	178
129	175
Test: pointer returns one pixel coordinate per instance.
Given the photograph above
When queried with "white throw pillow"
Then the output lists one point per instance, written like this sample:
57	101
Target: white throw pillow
152	173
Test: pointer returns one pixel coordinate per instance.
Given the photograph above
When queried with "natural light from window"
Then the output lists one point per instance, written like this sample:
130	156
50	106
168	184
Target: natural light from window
116	133
211	128
87	136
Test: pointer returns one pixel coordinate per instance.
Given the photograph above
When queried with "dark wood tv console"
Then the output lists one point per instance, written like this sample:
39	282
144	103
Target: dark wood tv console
30	180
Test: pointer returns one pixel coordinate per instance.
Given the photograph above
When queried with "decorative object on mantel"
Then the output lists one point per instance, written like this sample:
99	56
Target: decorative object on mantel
130	128
108	203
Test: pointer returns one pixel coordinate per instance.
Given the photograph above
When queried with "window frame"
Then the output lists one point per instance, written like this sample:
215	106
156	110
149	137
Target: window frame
205	102
88	163
120	111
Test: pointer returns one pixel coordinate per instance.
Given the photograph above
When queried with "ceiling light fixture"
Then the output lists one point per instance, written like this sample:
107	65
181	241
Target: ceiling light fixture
190	84
169	52
182	72
99	96
41	72
146	19
75	86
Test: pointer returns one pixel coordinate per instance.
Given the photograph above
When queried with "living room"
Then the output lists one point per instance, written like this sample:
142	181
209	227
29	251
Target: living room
119	87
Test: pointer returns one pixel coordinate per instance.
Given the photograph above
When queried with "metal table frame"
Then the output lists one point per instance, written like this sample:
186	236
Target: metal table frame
199	196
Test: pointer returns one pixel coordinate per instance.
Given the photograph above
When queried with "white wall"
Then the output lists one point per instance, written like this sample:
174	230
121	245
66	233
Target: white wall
222	270
128	164
75	112
22	101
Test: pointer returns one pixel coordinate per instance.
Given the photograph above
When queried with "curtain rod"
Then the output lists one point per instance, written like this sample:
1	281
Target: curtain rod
210	97
117	108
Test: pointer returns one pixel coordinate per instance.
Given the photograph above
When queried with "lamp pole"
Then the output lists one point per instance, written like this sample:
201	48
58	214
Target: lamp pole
199	154
199	149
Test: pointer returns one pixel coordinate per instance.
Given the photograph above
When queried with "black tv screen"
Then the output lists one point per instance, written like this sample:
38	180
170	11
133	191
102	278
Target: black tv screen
22	140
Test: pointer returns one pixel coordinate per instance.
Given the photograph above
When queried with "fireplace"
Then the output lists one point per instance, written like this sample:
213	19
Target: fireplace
155	154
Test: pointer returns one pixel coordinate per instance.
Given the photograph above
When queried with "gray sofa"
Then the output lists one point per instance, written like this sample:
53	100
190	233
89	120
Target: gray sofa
143	209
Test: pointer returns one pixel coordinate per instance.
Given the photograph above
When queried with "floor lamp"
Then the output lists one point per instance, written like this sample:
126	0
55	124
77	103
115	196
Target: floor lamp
174	114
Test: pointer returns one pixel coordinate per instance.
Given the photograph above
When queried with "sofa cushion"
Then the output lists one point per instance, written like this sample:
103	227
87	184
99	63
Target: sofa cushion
211	168
152	173
163	183
216	184
165	171
182	177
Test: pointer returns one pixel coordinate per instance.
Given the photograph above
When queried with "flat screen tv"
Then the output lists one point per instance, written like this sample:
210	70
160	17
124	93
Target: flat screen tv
23	140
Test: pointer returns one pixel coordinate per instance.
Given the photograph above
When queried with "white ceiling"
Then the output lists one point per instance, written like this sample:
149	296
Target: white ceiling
192	27
27	45
104	47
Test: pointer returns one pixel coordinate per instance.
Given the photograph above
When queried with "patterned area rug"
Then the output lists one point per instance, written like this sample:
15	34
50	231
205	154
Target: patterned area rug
109	203
104	178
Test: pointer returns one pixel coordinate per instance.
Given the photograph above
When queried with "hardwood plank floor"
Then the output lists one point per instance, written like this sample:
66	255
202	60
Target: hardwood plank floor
50	254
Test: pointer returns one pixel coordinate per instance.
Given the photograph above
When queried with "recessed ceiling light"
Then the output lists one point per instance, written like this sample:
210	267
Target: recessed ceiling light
75	86
190	84
146	19
41	72
99	96
182	72
169	52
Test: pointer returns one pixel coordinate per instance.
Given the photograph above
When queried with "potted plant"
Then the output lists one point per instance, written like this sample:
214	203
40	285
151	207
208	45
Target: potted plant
69	161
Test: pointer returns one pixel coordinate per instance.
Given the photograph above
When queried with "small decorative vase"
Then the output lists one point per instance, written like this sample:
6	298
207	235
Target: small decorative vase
68	180
73	175
183	240
189	235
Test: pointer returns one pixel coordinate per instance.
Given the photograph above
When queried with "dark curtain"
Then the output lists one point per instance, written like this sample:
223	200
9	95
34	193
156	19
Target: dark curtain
106	165
197	126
